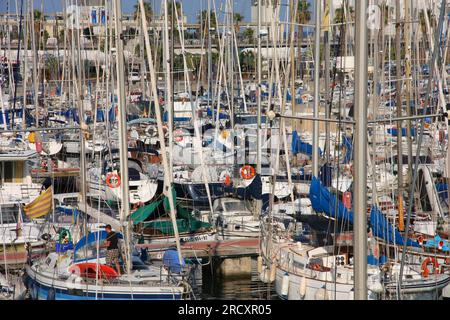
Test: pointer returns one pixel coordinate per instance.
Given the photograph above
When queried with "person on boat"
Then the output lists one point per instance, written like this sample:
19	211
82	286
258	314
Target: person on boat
112	249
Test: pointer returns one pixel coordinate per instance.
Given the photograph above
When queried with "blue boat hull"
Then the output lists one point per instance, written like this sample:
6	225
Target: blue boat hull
39	291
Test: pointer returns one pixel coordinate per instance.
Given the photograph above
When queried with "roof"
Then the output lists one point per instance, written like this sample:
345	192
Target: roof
18	155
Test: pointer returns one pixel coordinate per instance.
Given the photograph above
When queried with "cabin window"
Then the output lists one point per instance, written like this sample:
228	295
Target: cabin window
7	171
235	206
9	216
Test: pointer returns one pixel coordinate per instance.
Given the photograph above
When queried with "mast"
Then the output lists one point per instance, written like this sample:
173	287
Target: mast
35	76
408	93
142	62
328	98
167	178
168	72
210	98
25	70
231	60
258	98
398	89
122	121
360	186
292	58
315	142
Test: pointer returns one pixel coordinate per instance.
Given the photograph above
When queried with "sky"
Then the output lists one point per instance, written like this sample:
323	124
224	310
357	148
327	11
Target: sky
191	7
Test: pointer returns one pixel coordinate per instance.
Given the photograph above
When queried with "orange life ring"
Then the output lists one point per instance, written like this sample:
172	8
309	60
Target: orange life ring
247	172
178	135
420	240
425	263
113	180
316	267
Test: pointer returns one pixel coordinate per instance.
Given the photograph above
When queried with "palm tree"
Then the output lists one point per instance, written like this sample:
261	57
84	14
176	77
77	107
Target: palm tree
170	11
340	17
202	19
148	11
247	61
303	17
40	34
249	34
238	18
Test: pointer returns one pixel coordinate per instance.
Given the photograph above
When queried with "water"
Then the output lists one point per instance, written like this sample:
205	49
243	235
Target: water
246	287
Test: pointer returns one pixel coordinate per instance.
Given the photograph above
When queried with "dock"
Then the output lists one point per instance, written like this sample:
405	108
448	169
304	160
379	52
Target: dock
225	249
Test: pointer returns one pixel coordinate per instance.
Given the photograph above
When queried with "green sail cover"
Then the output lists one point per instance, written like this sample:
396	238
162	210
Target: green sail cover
184	226
144	212
185	222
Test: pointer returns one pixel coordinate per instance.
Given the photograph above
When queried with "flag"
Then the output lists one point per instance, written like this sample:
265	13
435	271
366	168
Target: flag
326	17
41	205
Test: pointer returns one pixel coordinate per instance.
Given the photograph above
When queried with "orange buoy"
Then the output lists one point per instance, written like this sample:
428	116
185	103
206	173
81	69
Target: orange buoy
425	263
247	172
113	180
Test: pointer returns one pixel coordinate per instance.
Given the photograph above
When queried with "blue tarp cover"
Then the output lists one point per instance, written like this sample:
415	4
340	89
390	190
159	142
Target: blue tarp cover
298	146
170	259
324	201
381	228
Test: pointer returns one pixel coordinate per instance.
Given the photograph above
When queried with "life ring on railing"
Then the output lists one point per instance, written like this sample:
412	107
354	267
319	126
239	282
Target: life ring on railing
178	135
425	263
247	172
113	180
316	267
420	240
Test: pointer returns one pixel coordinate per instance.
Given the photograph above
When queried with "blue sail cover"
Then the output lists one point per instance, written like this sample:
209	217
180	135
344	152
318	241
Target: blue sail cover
394	131
253	190
381	228
324	201
92	238
347	143
298	146
221	114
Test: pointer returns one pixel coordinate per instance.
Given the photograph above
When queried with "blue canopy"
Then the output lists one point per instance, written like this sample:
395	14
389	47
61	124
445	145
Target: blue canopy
92	238
298	146
381	228
323	201
434	243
